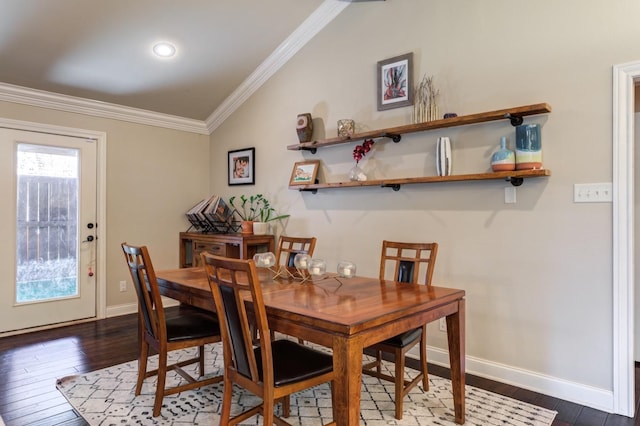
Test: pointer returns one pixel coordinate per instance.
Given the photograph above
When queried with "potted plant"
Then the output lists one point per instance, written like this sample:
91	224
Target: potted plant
255	209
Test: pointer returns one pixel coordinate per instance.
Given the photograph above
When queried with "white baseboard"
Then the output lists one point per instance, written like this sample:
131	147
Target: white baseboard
600	399
132	308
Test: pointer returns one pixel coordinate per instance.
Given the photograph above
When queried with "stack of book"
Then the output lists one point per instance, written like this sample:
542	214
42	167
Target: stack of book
212	215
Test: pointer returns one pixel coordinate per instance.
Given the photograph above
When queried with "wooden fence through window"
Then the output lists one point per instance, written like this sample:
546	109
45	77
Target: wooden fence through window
47	215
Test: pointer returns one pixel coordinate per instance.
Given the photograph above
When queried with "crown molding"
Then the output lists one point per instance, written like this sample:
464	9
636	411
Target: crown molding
324	14
43	99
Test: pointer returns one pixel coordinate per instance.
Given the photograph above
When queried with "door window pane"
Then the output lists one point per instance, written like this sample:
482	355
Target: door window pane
47	223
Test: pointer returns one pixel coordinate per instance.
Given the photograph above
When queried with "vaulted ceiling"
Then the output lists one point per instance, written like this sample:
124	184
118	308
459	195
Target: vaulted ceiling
74	51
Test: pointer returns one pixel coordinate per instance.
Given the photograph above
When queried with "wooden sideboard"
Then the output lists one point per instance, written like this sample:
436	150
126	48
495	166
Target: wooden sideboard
238	246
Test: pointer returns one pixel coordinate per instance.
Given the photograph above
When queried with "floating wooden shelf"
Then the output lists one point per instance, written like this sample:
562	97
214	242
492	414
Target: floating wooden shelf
513	114
515	177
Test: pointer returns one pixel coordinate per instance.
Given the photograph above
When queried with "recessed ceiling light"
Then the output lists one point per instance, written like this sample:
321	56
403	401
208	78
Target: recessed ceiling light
164	50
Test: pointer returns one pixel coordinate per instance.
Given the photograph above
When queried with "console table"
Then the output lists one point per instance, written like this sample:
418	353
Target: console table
238	246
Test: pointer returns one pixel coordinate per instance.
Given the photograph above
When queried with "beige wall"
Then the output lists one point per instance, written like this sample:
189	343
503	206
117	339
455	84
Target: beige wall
153	176
538	273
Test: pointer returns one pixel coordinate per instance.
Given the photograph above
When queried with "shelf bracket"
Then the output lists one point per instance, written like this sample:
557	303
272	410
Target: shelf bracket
394	137
394	186
516	120
311	150
515	181
312	190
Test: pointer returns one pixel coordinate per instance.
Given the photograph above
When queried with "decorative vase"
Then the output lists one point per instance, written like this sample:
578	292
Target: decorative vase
346	128
356	174
247	227
304	127
503	159
443	156
260	228
528	147
425	106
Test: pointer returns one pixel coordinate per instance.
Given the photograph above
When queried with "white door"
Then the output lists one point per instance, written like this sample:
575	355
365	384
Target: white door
48	227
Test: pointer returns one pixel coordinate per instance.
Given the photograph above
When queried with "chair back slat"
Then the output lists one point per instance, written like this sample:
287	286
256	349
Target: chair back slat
146	285
234	321
288	247
234	283
405	271
407	260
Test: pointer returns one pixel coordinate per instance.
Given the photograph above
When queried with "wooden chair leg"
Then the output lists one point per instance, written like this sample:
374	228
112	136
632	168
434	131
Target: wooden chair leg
267	410
286	406
162	375
201	360
227	395
142	366
423	365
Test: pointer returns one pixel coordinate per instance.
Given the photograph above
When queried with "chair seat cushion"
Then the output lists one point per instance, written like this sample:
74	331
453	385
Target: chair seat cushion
293	362
404	339
192	324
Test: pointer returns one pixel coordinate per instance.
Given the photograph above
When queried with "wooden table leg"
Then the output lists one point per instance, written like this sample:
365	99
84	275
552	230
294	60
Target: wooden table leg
347	364
456	338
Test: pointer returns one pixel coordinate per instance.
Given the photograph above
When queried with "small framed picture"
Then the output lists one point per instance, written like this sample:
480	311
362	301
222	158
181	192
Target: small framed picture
242	167
304	172
395	82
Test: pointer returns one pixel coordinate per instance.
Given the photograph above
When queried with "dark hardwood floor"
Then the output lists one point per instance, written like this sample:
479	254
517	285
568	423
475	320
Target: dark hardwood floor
31	363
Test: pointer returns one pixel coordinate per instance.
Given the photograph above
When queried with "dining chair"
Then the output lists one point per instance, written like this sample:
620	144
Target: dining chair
405	261
288	247
271	370
191	327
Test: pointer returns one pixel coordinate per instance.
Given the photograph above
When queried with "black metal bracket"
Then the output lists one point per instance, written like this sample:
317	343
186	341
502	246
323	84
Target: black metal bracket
516	120
394	186
311	150
394	137
311	190
515	181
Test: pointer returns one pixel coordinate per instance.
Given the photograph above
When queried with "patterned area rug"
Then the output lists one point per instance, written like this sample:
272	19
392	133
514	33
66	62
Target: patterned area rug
106	397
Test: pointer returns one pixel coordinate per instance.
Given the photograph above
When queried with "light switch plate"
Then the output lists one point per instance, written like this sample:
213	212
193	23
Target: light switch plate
592	192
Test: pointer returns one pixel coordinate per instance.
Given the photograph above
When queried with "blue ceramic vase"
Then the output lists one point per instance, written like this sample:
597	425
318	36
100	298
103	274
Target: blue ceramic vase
528	147
503	159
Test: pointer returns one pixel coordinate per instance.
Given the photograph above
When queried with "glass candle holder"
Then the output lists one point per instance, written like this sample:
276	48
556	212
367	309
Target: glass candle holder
264	260
317	267
301	261
346	269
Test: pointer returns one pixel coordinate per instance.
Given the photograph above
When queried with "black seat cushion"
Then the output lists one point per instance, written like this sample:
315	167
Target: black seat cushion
293	362
192	324
404	339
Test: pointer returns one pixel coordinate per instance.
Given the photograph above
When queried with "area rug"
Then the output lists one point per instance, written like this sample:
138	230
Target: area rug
106	397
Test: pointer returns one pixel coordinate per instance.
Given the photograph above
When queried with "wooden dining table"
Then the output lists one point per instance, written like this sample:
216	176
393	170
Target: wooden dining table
346	315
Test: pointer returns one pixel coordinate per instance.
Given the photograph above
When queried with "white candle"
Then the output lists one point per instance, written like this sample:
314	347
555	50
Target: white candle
315	270
303	263
346	272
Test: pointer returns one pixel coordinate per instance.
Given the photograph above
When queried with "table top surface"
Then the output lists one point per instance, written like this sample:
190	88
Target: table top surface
347	302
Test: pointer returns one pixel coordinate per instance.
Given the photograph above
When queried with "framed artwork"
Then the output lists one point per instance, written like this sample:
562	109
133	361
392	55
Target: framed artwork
304	172
242	167
395	82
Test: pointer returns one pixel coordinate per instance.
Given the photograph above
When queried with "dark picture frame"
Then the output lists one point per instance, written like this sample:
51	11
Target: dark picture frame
304	172
395	82
242	166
